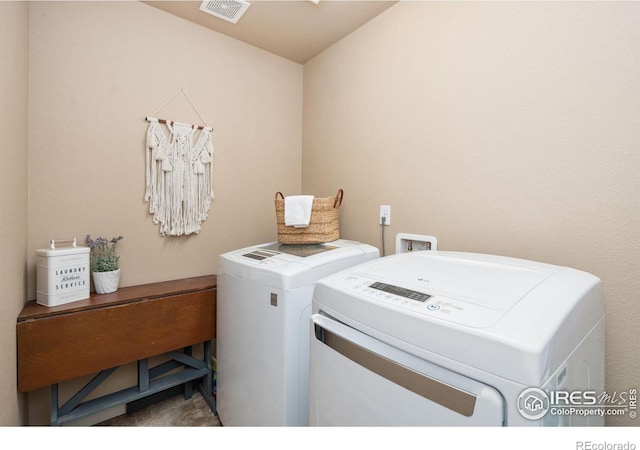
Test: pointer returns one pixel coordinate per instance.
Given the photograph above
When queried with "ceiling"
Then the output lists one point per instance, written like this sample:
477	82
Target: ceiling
297	30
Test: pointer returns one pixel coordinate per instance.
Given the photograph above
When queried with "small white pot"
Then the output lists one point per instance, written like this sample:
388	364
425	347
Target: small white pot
106	282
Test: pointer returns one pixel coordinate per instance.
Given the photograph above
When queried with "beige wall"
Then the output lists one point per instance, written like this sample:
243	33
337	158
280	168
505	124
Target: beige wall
14	54
509	128
97	70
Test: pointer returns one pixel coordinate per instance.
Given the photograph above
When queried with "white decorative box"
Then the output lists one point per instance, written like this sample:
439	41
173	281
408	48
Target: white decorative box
63	274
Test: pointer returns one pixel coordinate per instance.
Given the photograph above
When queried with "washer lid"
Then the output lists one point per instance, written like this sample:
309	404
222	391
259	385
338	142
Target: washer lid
292	266
497	284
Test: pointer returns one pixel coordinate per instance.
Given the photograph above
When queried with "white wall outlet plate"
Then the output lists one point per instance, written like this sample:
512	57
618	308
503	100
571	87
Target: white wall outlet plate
385	211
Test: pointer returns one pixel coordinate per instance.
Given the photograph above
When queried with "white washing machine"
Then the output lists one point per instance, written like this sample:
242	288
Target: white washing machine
263	318
447	338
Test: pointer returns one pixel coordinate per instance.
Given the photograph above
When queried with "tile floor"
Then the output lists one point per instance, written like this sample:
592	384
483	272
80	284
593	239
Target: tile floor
172	412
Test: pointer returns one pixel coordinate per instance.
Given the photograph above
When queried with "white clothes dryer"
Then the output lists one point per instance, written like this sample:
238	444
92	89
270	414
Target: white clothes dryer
263	320
446	338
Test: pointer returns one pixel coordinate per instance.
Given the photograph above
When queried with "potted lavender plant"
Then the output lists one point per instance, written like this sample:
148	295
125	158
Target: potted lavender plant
105	263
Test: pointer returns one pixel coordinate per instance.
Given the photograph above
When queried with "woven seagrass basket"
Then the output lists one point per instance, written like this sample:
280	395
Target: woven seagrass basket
324	225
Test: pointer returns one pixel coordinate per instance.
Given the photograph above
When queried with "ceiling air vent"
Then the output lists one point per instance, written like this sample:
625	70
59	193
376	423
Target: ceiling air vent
229	10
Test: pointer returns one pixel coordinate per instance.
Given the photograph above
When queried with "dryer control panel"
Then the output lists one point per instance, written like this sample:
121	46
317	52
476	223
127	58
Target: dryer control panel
400	291
431	304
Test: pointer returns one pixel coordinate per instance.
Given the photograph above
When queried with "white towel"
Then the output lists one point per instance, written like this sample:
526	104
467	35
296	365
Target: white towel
297	210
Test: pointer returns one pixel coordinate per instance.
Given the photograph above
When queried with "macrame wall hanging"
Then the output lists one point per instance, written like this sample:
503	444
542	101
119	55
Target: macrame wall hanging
179	173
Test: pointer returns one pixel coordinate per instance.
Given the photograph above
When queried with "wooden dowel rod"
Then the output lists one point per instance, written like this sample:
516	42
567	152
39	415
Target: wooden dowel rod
200	127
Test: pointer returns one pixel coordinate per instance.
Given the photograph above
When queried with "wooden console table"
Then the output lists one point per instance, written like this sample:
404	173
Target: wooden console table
99	334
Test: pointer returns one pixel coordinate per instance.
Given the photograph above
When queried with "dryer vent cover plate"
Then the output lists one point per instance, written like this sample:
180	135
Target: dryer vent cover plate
229	10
